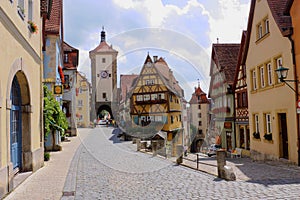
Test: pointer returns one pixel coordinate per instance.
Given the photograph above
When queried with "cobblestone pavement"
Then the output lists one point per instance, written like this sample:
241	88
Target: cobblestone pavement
104	168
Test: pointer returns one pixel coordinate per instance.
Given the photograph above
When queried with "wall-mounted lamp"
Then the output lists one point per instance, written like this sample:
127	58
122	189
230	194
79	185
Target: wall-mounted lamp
282	73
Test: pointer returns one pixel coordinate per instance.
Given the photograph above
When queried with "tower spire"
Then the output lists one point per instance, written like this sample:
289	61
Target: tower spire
102	35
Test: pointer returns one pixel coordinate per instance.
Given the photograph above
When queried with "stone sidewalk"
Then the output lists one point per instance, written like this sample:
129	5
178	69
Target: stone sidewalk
245	169
48	182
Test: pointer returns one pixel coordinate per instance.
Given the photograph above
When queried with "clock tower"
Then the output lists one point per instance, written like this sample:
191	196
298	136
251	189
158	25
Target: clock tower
104	78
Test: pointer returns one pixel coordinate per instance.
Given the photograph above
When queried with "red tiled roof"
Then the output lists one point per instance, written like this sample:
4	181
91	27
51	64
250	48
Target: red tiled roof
67	47
103	47
278	8
53	24
126	82
226	57
163	68
198	96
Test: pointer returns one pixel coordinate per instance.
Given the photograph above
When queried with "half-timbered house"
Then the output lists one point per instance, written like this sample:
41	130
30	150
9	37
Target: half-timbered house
223	64
241	103
156	101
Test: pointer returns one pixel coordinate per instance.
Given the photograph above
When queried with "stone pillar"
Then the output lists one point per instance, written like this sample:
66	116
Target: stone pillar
154	148
221	162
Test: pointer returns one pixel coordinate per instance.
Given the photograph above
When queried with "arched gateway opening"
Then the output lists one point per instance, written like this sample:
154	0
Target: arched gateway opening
104	112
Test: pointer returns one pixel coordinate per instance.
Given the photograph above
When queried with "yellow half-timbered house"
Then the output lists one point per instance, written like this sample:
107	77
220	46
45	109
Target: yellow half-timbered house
156	100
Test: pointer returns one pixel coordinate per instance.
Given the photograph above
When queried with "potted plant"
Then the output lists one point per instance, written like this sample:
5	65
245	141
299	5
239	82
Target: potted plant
32	27
268	136
256	135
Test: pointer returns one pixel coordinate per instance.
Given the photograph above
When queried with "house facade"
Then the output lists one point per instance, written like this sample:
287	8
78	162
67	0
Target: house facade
155	101
222	68
70	61
199	107
53	76
21	128
271	104
83	97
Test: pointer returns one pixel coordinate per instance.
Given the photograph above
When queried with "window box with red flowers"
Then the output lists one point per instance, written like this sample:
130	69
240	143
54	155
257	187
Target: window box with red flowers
32	27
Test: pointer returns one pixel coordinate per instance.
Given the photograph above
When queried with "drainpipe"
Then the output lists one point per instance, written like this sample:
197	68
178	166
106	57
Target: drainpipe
297	93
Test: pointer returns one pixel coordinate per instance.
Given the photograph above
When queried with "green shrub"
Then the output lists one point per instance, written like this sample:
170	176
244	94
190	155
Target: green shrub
46	156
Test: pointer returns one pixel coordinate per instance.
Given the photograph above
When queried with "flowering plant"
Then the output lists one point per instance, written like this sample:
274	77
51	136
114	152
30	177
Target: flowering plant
32	26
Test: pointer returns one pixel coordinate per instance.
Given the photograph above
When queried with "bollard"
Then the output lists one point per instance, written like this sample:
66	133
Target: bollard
221	162
179	152
138	144
154	148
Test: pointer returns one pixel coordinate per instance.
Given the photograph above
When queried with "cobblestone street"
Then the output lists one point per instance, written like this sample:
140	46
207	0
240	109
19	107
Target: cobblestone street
104	168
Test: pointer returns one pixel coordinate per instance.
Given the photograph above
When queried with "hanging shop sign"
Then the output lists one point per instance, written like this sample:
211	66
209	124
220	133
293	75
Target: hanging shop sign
58	89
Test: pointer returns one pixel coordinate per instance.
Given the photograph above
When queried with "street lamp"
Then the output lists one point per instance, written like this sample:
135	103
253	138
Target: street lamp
282	75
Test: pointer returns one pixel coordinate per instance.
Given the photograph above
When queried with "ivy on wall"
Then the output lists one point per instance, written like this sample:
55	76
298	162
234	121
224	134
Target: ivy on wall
54	117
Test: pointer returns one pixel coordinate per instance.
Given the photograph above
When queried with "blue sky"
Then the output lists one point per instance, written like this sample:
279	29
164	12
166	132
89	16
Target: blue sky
180	31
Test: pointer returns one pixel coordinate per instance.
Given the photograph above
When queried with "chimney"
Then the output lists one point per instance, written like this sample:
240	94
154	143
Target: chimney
155	59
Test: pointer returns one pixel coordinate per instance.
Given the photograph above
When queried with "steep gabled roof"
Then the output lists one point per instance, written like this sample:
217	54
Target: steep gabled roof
54	23
165	74
168	76
226	57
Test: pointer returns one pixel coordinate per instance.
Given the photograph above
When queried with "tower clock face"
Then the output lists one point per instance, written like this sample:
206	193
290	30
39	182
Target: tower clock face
104	74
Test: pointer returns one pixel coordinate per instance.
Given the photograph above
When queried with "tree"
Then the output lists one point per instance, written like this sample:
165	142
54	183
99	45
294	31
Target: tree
54	117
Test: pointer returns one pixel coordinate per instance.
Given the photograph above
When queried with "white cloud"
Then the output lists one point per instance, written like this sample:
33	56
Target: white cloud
228	28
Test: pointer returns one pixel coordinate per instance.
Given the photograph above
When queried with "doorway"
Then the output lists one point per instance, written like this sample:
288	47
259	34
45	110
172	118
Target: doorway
16	125
284	145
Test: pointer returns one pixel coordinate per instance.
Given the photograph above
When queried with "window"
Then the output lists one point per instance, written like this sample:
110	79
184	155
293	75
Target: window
262	76
256	123
104	95
180	118
200	123
21	8
103	60
268	123
254	86
30	10
147	97
266	22
259	31
172	119
171	98
199	115
139	97
161	96
80	103
278	64
153	96
66	58
199	106
150	82
269	71
244	99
